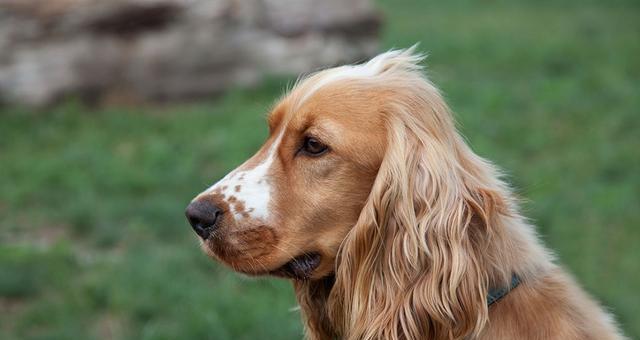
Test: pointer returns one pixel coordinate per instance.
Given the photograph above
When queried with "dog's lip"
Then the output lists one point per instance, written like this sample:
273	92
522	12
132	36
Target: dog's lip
300	267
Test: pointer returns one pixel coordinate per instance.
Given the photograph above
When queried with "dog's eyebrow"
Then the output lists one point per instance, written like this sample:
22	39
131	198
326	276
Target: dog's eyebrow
275	117
323	129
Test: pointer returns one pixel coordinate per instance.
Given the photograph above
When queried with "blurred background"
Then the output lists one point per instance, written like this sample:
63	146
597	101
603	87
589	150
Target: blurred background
114	114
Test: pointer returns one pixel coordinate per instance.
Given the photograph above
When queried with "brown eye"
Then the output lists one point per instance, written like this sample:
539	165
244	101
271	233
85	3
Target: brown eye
313	147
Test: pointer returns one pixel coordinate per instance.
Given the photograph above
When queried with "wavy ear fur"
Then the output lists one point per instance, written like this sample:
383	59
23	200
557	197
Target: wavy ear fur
416	263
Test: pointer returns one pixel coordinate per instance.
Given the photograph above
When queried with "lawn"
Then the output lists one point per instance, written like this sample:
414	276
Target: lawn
94	243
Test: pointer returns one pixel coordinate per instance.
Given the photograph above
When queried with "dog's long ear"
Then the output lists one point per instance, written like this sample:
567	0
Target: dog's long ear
413	266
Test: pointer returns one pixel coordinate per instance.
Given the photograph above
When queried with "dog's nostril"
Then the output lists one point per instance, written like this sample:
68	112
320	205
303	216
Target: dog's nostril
203	217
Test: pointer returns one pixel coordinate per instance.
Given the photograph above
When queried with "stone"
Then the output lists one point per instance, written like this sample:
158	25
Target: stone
156	50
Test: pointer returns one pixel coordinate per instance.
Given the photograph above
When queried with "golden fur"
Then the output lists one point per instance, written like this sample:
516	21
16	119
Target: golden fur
413	228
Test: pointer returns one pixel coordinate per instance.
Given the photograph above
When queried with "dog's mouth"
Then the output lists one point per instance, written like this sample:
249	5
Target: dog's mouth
300	267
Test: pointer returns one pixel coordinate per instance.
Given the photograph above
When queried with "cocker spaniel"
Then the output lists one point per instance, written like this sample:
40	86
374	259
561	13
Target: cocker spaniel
387	223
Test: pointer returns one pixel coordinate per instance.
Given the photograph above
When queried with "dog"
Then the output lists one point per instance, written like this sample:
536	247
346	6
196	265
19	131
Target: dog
388	224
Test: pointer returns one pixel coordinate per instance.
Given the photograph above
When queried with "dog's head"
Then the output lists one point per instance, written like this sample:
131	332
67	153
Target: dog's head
287	209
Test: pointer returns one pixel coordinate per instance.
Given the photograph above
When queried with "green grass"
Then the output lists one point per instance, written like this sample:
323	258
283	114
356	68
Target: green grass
93	239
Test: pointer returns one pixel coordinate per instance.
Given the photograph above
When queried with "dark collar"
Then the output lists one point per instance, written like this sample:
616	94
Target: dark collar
496	294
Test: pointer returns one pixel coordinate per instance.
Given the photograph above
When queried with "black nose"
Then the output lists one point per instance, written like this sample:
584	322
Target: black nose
202	216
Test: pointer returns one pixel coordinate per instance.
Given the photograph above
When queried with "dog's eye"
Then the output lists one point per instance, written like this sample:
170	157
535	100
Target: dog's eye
313	147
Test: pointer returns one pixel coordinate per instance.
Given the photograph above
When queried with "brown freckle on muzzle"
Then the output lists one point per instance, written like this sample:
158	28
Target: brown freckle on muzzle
237	188
239	207
217	197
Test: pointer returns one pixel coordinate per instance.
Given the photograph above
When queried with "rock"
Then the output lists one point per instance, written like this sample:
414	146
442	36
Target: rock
171	49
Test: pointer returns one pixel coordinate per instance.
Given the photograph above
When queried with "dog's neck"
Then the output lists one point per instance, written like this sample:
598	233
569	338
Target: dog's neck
312	296
528	259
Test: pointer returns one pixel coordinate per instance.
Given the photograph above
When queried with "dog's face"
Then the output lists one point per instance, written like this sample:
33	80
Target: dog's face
286	210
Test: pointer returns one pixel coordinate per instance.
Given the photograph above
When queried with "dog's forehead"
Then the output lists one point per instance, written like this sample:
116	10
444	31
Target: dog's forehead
333	105
312	92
